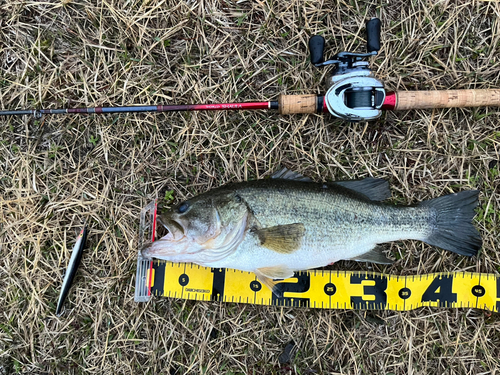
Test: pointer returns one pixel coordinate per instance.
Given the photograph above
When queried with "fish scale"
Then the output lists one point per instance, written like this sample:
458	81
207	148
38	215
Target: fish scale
327	209
339	225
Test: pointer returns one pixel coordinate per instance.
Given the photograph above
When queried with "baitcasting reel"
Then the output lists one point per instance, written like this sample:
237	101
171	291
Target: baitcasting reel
353	93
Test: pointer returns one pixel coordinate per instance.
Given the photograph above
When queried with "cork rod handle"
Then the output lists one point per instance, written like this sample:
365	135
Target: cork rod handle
446	99
297	104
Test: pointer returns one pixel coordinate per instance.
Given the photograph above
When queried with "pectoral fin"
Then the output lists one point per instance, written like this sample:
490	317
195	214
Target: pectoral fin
375	255
284	239
267	274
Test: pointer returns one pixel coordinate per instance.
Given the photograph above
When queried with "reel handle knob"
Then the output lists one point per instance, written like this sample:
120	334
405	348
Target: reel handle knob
317	47
373	35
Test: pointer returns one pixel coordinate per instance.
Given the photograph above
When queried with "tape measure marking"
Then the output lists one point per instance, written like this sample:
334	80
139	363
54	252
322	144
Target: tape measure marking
498	294
327	289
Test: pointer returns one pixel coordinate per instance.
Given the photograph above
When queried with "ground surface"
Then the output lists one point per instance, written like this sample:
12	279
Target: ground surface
57	172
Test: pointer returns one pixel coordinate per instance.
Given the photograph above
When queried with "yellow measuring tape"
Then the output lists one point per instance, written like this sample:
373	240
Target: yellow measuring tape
324	289
315	288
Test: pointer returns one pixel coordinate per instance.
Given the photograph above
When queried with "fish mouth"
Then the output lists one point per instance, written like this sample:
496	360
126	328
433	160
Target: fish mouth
173	243
175	230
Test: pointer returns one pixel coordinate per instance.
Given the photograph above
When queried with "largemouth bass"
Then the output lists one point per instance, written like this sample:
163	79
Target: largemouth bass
274	227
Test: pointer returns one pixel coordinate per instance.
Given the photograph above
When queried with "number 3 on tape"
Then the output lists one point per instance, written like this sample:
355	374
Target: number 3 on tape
375	290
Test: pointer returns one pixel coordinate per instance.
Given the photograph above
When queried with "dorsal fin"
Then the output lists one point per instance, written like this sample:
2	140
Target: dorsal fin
287	174
375	189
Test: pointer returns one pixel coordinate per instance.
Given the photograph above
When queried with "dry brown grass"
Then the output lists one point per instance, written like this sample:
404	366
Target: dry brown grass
59	171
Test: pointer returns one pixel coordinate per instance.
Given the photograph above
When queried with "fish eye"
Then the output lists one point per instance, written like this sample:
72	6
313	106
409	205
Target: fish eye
183	207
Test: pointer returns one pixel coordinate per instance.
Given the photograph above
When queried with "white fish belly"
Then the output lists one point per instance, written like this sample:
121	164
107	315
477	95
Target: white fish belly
314	253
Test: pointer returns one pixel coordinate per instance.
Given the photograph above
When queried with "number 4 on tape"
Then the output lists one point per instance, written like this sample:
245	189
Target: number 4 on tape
322	289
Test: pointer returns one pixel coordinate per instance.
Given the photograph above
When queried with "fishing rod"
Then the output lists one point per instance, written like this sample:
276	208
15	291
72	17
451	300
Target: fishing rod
352	92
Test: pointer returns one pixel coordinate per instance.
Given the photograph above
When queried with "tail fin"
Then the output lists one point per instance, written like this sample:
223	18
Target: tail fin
452	227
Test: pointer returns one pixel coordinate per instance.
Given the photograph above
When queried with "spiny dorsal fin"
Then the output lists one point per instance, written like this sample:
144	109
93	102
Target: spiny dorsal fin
284	239
375	189
375	255
286	174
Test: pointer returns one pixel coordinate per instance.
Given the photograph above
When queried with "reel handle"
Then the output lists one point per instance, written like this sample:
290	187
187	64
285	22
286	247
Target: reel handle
317	44
373	35
317	48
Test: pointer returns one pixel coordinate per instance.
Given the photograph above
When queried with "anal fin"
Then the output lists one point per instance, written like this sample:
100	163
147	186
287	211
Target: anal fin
375	255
